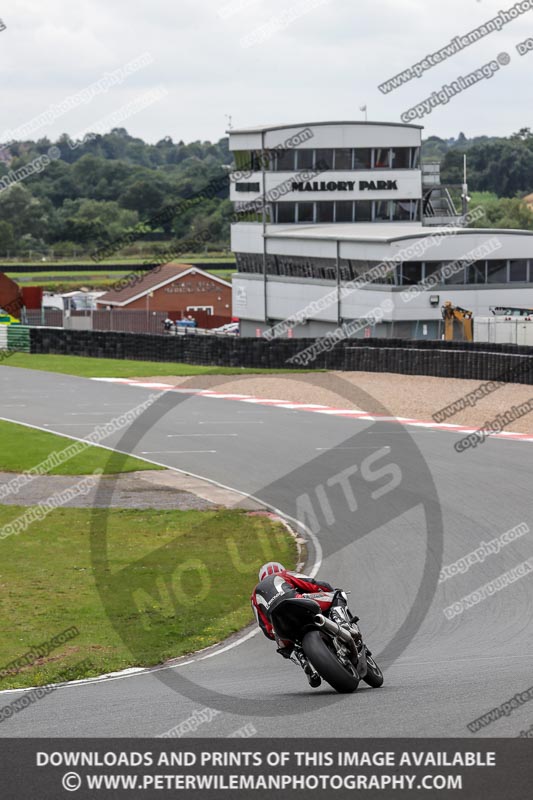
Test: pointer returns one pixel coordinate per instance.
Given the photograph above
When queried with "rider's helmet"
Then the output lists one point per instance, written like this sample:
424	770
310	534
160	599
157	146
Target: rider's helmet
270	568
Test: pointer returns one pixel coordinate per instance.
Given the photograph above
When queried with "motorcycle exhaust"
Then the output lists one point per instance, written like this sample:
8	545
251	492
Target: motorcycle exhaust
336	630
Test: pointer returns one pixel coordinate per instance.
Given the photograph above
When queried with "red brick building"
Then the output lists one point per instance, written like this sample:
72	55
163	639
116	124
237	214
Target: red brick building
177	289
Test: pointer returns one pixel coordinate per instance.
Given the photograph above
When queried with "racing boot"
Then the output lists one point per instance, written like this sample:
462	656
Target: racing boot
312	675
340	614
339	610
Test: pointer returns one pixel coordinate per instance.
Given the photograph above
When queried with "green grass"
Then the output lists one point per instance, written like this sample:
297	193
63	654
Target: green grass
57	282
87	367
225	274
58	287
32	277
66	284
126	260
24	448
173	582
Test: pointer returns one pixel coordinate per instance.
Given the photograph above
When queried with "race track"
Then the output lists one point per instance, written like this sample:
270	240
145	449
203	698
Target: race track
392	505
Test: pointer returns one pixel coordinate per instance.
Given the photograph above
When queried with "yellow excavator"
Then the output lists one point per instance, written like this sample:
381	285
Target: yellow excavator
457	317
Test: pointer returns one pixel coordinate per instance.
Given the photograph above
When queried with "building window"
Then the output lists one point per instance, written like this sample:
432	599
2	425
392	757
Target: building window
518	271
401	157
243	160
362	158
324	159
318	268
285	212
306	212
382	210
430	268
497	271
476	273
304	159
344	211
458	271
285	160
404	210
363	211
324	212
344	159
245	213
254	162
411	273
209	309
382	158
247	187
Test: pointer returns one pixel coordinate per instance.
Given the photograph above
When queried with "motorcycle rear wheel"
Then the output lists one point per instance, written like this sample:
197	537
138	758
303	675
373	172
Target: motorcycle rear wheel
319	650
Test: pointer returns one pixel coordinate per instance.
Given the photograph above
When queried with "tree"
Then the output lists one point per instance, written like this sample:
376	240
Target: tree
502	212
7	237
144	196
93	221
26	213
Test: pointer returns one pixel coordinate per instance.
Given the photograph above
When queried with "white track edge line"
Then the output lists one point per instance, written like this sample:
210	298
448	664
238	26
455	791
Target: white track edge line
126	673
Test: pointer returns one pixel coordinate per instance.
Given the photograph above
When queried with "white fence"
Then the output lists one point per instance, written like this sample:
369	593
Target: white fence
504	330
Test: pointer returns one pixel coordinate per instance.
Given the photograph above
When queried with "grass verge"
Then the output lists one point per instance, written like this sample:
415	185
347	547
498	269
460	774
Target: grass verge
23	448
45	277
173	582
11	265
87	367
225	274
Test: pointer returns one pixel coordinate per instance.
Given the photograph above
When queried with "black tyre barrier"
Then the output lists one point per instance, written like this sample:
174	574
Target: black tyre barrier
476	361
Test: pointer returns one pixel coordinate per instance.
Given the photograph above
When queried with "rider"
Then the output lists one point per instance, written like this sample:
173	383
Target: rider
275	581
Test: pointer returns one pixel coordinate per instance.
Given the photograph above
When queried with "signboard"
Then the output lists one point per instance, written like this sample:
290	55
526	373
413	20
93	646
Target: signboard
345	186
240	299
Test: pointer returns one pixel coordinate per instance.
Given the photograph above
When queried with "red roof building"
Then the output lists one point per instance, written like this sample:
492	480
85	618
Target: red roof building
177	289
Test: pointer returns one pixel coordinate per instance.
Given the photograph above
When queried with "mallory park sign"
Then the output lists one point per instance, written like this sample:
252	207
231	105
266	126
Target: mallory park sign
345	186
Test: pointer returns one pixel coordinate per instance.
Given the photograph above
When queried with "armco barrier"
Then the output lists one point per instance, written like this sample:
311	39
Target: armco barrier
476	361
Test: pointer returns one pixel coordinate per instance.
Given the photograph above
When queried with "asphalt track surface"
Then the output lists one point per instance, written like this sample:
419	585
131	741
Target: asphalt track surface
380	540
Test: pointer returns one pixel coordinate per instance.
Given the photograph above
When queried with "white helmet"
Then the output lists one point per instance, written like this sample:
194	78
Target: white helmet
270	568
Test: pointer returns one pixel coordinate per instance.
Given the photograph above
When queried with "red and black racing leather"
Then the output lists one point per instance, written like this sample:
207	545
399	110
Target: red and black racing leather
296	586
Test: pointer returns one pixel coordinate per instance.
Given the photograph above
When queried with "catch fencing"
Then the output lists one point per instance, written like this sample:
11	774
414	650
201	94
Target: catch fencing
117	320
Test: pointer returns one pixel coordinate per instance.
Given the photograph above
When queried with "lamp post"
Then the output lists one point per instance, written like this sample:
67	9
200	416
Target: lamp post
465	199
148	296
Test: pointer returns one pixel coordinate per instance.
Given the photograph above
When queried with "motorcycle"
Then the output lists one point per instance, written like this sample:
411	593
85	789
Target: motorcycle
336	651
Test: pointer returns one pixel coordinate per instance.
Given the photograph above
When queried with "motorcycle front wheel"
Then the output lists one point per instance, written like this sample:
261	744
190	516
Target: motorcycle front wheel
319	649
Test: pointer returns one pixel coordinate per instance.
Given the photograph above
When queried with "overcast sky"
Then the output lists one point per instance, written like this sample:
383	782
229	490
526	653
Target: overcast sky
211	59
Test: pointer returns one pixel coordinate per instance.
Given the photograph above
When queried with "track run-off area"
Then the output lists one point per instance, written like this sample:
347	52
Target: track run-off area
384	507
